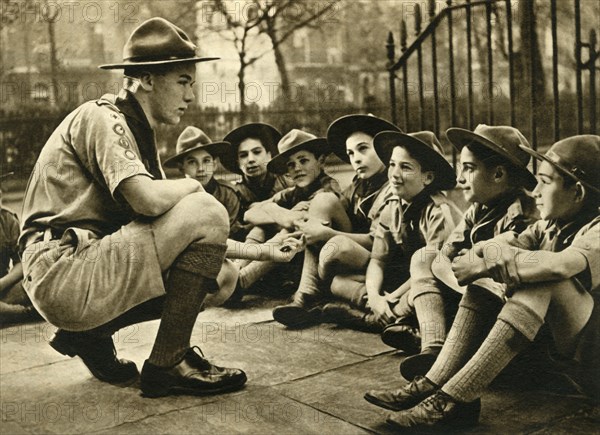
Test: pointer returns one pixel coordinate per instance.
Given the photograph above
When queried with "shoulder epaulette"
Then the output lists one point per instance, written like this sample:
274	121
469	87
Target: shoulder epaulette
515	209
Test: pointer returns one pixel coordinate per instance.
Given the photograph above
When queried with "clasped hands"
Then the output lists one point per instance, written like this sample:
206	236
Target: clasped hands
496	259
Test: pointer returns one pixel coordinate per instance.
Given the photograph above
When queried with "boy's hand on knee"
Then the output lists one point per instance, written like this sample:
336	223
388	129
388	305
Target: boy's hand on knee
314	230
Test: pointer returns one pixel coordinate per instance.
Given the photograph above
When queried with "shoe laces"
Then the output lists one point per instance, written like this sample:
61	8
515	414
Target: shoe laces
197	348
438	401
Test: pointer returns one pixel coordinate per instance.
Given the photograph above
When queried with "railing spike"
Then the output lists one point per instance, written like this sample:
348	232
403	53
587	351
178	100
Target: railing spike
403	35
417	19
431	8
390	46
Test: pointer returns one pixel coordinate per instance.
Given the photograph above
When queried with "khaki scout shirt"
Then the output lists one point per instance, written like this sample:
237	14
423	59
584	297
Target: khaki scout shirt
251	192
75	179
364	200
403	229
514	212
291	196
226	194
581	235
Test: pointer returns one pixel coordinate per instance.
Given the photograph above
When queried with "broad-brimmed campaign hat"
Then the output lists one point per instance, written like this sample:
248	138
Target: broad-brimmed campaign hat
192	139
422	143
157	42
577	157
504	140
268	136
294	141
343	127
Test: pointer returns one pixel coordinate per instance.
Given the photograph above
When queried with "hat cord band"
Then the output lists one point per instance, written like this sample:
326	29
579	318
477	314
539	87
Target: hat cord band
152	58
555	158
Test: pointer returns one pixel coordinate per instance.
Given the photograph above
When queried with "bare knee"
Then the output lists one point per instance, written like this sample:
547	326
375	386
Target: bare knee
334	250
200	215
323	204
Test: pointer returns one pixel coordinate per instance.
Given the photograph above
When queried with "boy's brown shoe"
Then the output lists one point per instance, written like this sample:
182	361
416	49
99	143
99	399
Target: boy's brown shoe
346	315
404	397
439	411
97	353
297	315
402	336
193	375
419	364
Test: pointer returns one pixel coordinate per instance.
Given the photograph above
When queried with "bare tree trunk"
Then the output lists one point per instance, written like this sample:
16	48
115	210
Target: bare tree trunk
529	57
279	61
54	63
242	89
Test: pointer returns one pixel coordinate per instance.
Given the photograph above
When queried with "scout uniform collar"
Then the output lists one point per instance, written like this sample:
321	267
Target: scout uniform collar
130	106
211	186
365	188
266	182
143	133
561	234
304	193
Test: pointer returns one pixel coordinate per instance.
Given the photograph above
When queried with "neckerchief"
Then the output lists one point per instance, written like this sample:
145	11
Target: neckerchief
405	218
262	189
142	131
561	236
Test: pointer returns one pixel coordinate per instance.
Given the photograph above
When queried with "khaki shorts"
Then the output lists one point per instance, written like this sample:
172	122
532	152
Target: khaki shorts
82	281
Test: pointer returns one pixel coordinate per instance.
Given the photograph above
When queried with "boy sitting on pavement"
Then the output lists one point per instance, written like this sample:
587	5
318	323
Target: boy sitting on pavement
337	232
548	272
253	146
197	156
418	215
493	177
302	156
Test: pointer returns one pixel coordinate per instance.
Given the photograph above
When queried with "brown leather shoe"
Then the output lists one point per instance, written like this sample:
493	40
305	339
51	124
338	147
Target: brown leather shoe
404	397
193	375
346	315
297	315
440	411
402	336
419	364
97	353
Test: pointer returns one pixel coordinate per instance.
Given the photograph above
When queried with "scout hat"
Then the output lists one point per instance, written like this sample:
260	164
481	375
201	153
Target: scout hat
577	157
294	141
504	140
157	42
343	127
268	136
192	139
422	143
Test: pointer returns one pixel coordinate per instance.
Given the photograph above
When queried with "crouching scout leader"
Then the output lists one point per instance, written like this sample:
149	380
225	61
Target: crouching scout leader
102	229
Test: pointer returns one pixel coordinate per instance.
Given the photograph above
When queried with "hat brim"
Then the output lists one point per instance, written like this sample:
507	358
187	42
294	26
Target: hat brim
215	149
459	138
268	135
385	142
342	128
537	155
128	64
278	164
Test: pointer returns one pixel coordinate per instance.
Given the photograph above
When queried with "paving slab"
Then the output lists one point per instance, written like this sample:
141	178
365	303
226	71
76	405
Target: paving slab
340	392
308	381
258	411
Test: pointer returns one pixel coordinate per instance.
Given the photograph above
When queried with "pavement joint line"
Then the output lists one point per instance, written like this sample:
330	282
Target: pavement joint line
328	413
217	397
